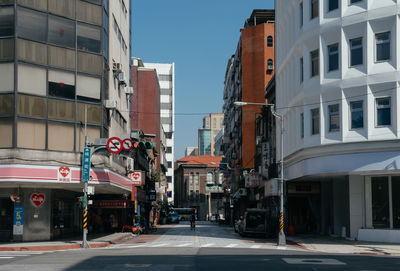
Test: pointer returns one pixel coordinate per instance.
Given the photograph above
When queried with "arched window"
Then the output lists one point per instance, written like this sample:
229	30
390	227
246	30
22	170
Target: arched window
270	41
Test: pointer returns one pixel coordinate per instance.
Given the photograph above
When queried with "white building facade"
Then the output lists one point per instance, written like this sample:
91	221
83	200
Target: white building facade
337	86
166	78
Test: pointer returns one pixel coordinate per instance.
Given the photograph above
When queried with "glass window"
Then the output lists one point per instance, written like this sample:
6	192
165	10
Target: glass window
6	132
36	130
32	106
6	49
6	77
383	116
92	132
89	63
354	1
6	2
356	52
105	21
88	38
61	110
396	201
32	24
302	125
88	12
314	9
301	13
333	59
209	178
270	41
6	21
36	4
61	84
301	70
191	179
64	8
61	57
380	202
357	114
196	179
6	104
314	55
315	121
31	51
115	26
57	131
333	4
334	119
105	3
88	88
31	79
105	45
382	46
93	113
61	31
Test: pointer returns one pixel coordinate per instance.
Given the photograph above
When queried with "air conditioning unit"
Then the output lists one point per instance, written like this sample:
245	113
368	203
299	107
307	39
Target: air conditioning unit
130	164
121	78
128	90
117	67
111	104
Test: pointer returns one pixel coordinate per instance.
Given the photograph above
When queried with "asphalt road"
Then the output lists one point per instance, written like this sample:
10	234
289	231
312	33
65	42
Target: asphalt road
210	247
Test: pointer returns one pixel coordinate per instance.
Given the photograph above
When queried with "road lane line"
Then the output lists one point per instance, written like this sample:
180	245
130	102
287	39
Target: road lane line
159	245
232	245
133	246
208	245
6	257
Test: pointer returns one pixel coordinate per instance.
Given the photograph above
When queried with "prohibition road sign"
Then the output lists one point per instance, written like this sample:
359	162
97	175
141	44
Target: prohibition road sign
114	145
127	144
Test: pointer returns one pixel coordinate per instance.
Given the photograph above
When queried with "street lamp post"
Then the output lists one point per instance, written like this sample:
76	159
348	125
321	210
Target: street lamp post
281	236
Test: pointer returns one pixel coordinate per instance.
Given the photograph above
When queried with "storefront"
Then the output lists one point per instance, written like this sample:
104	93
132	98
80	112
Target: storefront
39	202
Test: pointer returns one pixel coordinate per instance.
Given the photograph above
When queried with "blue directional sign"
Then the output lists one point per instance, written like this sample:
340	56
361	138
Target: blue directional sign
18	228
86	165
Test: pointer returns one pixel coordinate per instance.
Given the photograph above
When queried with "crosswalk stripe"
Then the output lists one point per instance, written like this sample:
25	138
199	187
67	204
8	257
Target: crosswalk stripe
6	257
255	246
159	245
136	246
184	245
232	245
208	245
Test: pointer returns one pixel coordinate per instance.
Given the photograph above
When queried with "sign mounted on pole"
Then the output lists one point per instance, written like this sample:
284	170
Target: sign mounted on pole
127	144
86	164
114	145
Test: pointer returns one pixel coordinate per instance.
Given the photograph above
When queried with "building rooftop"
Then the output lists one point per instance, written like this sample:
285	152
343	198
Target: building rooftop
260	16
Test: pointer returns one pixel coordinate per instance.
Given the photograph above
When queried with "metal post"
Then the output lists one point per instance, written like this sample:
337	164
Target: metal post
85	189
281	237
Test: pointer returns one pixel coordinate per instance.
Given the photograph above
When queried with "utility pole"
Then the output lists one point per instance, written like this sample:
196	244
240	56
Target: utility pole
85	179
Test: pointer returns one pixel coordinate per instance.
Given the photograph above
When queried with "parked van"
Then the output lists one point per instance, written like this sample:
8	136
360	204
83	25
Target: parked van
254	222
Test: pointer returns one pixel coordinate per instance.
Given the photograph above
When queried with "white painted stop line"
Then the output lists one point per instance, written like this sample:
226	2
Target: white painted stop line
319	261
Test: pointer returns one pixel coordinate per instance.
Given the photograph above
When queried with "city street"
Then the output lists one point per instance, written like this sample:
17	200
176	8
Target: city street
209	247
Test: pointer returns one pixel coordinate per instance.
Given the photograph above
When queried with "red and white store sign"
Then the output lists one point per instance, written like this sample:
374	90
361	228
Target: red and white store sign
64	174
37	199
136	178
110	203
60	175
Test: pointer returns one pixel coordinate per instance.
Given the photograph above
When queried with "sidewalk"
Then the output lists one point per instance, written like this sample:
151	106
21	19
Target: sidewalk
94	241
326	244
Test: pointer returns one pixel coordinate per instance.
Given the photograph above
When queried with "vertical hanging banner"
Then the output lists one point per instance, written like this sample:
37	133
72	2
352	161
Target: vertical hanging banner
18	228
86	164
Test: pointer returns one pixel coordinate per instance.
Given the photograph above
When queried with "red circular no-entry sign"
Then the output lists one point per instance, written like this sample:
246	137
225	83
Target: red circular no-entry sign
114	145
127	144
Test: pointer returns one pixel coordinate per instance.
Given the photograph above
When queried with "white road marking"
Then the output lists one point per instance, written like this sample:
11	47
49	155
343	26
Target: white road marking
159	245
208	245
319	261
255	246
6	257
232	245
184	245
134	246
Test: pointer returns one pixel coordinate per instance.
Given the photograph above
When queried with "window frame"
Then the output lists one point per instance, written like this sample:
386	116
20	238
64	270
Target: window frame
389	41
301	70
313	128
352	2
312	3
329	5
329	47
351	48
270	41
331	115
312	58
302	125
301	8
355	111
383	107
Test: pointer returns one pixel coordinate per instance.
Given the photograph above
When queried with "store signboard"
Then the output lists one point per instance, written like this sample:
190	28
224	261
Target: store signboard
271	188
18	227
136	177
64	174
252	180
86	165
110	203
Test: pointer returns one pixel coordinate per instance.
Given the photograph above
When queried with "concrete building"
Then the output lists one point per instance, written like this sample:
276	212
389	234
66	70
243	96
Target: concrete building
58	57
247	73
191	151
198	184
337	66
166	78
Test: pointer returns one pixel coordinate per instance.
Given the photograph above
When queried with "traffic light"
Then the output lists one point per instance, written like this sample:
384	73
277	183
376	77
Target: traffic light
81	202
145	145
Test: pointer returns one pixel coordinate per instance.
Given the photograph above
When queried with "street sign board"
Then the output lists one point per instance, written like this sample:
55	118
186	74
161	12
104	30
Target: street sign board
127	144
18	228
86	164
114	145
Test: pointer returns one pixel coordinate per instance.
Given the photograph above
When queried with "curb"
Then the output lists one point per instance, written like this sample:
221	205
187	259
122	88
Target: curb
63	247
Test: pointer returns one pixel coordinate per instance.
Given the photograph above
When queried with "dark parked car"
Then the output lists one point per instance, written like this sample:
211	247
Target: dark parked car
173	218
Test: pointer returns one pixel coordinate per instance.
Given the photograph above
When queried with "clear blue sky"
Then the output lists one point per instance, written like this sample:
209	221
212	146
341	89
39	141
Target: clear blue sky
200	37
